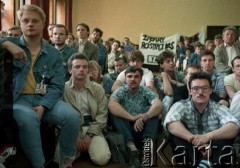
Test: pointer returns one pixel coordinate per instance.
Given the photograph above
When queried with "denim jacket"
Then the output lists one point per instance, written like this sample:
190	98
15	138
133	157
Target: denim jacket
48	63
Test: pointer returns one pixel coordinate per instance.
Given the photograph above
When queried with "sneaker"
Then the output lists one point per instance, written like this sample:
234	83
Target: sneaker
66	163
134	159
8	151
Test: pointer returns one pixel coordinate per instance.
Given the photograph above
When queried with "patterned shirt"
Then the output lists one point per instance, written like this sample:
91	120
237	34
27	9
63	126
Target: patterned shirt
158	83
137	103
213	117
108	80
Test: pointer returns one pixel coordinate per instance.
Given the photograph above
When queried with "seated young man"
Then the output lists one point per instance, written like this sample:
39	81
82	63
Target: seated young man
135	111
120	63
167	80
232	81
38	85
181	92
89	99
208	66
136	59
234	110
200	129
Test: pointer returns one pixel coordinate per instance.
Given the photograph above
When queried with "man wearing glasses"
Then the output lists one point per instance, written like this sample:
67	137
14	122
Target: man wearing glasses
202	131
232	81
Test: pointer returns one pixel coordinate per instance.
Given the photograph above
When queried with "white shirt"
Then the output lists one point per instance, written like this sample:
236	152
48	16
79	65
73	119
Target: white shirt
231	52
81	97
147	76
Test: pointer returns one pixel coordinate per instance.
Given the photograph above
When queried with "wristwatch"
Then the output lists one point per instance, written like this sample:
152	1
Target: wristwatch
90	134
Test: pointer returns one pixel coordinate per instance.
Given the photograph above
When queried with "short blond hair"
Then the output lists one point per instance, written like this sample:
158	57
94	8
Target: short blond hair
31	8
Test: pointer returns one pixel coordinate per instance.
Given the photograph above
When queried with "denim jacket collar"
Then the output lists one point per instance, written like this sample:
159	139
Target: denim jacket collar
43	45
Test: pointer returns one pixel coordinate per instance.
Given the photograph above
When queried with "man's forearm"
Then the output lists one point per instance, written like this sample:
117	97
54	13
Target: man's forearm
117	110
155	109
177	129
228	131
167	87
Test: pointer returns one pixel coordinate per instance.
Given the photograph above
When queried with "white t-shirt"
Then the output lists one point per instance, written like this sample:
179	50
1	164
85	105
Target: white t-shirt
147	76
231	81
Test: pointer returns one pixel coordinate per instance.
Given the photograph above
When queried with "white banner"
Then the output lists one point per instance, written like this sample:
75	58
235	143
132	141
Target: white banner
151	46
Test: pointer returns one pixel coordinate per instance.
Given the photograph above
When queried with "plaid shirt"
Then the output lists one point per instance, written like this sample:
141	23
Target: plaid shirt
213	117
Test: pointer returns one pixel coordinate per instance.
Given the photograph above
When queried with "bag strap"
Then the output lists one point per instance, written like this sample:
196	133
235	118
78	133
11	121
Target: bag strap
121	158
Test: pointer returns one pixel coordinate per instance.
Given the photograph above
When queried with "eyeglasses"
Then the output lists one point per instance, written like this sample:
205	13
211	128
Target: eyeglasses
198	88
237	66
26	21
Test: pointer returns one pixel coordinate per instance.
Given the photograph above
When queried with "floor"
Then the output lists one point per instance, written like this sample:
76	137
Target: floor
20	160
163	160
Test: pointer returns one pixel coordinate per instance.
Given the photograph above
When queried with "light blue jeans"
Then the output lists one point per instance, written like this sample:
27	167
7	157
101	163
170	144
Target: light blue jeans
62	114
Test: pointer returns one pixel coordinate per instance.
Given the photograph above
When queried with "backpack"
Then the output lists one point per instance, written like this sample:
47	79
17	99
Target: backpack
117	146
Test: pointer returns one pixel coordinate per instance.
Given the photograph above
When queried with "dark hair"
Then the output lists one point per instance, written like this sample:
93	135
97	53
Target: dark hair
218	36
97	30
61	26
194	66
208	52
232	62
136	55
116	41
84	25
111	39
121	58
71	35
198	45
200	75
76	56
133	69
164	55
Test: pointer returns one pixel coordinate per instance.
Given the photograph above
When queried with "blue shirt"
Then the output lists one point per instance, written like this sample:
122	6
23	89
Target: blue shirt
102	55
213	117
108	80
218	82
137	103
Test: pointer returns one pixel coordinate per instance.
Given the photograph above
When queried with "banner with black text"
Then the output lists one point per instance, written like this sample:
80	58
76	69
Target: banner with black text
151	46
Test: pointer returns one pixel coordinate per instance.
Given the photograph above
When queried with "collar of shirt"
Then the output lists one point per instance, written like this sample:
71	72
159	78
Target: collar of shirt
140	89
226	45
195	110
82	42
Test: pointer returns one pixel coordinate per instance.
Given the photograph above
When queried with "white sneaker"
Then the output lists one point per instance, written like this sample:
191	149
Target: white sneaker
66	163
8	151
